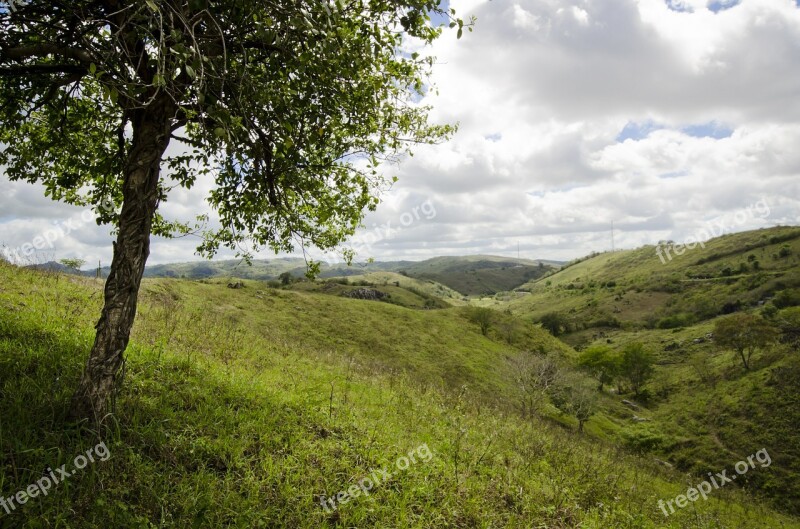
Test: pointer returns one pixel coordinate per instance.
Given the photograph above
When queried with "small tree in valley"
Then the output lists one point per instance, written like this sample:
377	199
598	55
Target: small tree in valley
636	366
744	333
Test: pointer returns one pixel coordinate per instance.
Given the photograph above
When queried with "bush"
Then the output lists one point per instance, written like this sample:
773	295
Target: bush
683	319
636	365
644	439
555	323
787	298
483	317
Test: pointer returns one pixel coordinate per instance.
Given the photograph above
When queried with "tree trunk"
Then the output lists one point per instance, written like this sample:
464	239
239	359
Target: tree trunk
151	130
744	360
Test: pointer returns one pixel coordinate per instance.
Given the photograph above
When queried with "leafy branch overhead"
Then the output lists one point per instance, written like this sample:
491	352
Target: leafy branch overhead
289	107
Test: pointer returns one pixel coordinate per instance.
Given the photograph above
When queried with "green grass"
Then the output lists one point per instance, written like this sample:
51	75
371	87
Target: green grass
240	408
704	410
637	289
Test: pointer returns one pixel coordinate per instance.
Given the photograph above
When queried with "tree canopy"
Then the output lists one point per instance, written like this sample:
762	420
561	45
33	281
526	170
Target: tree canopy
290	107
745	334
286	110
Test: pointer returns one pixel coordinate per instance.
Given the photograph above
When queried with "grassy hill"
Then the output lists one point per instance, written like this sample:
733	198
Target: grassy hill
259	269
468	275
478	275
635	288
401	290
702	409
249	407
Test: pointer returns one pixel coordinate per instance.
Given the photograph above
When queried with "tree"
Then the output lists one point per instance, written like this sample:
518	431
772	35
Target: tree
534	376
286	278
572	396
601	362
636	365
555	323
289	108
483	317
73	264
788	321
745	334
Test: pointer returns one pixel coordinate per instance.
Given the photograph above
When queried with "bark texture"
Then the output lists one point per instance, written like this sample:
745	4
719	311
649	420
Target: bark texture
151	132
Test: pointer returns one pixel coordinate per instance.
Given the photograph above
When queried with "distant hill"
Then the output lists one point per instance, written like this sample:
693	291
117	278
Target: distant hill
468	275
639	288
480	274
261	269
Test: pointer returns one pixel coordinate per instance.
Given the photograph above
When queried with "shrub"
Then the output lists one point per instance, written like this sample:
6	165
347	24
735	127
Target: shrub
787	298
555	323
644	439
636	365
676	320
483	317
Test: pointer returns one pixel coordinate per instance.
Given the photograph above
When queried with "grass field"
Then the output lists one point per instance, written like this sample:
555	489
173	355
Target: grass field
249	407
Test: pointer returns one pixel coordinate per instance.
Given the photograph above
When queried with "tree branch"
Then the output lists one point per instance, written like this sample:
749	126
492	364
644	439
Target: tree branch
42	50
42	69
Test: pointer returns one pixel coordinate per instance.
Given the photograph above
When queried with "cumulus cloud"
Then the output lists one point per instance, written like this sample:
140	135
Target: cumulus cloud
656	115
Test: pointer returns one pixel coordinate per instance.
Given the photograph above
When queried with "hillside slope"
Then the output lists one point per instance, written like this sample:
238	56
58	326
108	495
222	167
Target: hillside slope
252	407
639	289
468	275
702	408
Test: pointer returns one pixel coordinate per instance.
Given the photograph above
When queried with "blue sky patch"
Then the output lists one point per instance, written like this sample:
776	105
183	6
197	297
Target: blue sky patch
680	6
437	19
712	129
721	5
637	131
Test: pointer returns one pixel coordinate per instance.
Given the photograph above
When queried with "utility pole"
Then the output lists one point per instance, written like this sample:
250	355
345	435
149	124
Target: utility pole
517	249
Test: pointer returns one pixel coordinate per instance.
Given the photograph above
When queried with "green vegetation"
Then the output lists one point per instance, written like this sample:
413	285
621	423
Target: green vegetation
698	408
245	407
635	290
601	362
291	111
745	334
248	406
478	275
73	264
483	317
458	276
636	366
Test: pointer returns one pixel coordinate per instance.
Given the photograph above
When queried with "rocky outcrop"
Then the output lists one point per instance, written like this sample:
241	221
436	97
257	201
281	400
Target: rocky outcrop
365	293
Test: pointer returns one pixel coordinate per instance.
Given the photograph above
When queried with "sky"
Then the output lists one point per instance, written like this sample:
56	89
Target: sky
664	119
